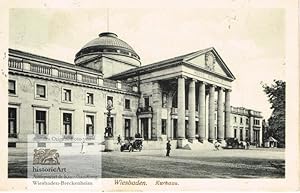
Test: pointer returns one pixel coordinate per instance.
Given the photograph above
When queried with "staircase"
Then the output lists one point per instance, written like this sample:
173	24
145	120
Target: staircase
161	145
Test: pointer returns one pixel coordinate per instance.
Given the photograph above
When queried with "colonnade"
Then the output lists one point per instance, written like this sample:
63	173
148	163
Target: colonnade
223	130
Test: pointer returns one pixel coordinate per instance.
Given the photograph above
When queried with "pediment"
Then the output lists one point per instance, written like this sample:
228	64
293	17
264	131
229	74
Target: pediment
210	61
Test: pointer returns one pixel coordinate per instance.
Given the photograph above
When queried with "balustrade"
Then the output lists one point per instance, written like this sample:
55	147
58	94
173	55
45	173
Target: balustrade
89	79
64	74
40	69
67	75
15	64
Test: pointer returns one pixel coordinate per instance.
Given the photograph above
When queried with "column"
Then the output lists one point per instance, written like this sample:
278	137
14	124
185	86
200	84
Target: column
171	129
169	120
149	128
192	111
220	122
156	104
206	114
251	127
181	111
140	126
260	133
201	111
228	129
211	114
238	131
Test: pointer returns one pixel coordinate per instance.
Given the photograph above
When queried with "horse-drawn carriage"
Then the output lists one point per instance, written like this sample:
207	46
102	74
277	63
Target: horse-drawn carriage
132	144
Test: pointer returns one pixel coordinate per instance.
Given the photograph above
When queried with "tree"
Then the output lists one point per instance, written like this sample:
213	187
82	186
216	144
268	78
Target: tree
276	95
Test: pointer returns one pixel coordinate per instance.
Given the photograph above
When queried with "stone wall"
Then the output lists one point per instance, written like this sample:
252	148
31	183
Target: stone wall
26	103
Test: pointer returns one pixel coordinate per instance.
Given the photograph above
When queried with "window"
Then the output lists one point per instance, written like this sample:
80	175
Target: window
256	136
12	122
235	132
111	99
127	104
146	99
67	123
41	91
247	135
163	126
241	134
127	128
67	95
235	119
11	87
247	121
241	120
256	122
90	98
40	118
89	125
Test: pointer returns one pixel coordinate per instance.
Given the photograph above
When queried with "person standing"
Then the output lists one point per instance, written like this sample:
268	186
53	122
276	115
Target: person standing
119	140
83	147
217	145
168	148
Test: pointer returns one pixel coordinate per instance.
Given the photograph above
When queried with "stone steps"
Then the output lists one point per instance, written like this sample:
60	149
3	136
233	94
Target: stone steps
161	145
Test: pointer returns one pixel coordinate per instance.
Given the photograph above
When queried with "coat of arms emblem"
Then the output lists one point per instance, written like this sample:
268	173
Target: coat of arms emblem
46	157
210	60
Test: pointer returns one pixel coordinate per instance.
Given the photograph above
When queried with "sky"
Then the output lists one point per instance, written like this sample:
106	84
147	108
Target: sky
250	41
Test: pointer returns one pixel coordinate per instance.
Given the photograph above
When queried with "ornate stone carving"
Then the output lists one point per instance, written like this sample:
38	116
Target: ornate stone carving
210	60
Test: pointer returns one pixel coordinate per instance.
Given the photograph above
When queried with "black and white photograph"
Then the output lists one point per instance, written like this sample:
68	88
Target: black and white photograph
146	97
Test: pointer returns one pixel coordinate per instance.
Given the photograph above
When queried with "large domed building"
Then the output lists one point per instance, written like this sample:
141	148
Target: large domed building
108	54
185	99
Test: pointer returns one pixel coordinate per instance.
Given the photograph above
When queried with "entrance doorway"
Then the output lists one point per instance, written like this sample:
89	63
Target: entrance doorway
256	137
174	128
145	128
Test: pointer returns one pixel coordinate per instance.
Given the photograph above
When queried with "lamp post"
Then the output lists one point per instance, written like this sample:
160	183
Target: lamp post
108	134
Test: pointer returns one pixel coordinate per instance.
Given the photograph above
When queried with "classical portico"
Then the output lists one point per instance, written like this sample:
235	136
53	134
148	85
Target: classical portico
223	115
178	90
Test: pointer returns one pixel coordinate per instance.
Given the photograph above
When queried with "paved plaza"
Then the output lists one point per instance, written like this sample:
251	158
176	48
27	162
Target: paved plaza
206	163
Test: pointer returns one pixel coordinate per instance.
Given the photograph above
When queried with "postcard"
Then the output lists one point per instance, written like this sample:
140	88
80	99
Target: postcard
132	96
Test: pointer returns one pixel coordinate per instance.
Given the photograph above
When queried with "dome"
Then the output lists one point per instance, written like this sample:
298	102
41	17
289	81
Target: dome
107	42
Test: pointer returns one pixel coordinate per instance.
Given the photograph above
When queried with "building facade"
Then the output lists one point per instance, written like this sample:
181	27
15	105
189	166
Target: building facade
186	98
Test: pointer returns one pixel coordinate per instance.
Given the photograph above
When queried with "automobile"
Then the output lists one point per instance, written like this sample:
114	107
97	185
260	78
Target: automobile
234	143
131	145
